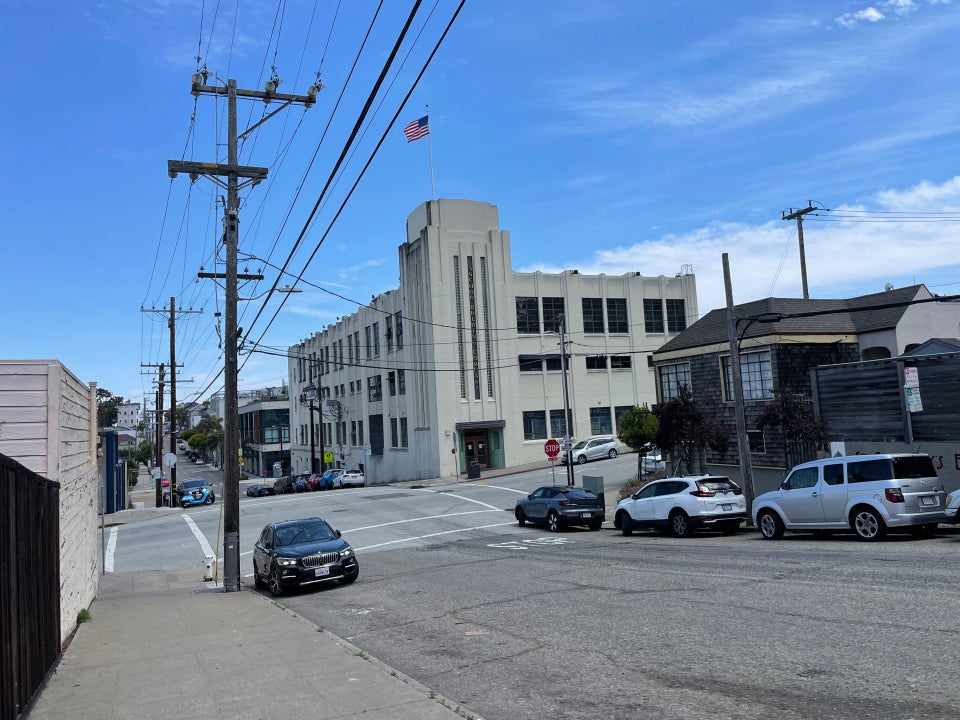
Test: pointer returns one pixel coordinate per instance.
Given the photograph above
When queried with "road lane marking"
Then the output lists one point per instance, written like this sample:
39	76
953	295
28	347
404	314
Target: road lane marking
109	557
204	545
460	497
424	537
522	492
524	544
428	517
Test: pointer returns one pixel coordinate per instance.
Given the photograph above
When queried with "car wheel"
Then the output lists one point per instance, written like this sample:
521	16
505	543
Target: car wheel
625	523
771	526
680	524
582	459
595	525
521	517
276	588
867	524
612	454
258	581
347	579
208	500
553	522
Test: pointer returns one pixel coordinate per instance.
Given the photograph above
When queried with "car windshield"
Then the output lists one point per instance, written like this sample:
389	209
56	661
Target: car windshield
718	485
305	532
186	484
913	466
577	493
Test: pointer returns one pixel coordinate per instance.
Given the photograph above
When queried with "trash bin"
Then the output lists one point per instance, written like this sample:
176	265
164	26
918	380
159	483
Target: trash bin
473	470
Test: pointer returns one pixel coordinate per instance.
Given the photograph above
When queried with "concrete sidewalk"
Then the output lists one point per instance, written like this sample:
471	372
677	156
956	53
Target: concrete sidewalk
164	644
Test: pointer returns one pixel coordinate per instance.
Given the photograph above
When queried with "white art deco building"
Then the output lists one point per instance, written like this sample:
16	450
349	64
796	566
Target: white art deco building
461	364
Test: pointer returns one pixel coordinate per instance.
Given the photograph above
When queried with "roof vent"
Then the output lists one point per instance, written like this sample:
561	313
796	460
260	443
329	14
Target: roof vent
888	287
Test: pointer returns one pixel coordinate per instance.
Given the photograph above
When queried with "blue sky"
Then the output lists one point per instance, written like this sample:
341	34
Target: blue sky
613	136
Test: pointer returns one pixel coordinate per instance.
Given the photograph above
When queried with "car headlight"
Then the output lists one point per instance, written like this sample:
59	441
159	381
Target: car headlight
286	561
346	553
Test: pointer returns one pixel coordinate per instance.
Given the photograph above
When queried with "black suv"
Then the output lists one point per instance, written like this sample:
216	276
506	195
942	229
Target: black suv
284	485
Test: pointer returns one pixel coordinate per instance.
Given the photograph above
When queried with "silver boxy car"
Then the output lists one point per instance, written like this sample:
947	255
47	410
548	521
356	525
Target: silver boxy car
595	448
863	493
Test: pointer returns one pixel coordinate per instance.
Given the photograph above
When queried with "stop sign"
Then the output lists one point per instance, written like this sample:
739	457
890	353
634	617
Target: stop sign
551	448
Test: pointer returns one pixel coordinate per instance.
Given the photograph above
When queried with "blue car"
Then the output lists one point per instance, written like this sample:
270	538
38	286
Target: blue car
558	506
195	492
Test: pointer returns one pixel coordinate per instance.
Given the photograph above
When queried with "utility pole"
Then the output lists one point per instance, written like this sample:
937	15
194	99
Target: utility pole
233	171
743	442
567	442
798	216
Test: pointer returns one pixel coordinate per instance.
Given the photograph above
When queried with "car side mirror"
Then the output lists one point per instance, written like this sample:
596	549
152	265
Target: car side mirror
784	486
530	496
337	533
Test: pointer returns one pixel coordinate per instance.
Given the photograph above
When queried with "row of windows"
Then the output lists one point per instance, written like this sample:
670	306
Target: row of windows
755	369
396	385
616	321
537	363
601	422
331	357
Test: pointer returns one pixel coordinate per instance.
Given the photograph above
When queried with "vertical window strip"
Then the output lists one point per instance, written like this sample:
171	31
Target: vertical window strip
474	338
456	290
486	325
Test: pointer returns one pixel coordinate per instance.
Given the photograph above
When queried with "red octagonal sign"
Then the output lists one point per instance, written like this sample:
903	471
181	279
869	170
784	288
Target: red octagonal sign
551	448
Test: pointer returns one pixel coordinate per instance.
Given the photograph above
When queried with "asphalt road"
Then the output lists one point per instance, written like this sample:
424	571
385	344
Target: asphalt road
519	623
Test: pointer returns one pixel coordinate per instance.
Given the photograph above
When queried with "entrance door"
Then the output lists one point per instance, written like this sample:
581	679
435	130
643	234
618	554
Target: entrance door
476	447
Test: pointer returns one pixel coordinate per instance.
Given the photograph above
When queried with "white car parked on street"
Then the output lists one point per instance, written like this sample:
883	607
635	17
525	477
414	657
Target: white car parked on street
683	505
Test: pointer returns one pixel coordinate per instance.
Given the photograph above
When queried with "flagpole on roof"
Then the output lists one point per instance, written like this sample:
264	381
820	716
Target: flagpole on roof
433	190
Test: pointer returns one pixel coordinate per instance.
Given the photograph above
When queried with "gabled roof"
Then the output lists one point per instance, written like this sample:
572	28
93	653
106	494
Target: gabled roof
936	346
712	327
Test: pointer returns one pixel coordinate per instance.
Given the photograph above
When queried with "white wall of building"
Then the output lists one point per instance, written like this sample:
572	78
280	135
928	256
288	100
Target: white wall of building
460	360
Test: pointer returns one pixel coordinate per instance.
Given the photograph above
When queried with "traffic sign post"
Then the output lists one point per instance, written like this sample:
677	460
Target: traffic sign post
552	448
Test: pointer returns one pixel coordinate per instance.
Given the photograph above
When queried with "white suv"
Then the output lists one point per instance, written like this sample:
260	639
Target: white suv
863	493
595	448
683	505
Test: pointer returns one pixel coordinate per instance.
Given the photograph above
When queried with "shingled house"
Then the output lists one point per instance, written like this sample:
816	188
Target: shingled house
781	340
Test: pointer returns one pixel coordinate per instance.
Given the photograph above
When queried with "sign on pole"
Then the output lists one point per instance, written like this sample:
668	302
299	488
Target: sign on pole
551	448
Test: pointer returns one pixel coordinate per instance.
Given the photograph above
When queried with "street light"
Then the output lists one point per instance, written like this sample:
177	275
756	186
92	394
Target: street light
285	289
308	398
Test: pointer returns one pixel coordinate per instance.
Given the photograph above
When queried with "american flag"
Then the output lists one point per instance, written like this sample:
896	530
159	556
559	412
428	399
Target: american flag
417	129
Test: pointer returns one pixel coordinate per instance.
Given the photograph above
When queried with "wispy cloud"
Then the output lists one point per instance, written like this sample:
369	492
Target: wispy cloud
882	11
353	269
843	256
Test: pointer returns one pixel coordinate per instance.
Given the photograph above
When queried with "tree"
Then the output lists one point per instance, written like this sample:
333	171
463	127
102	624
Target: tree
684	428
638	429
108	408
792	413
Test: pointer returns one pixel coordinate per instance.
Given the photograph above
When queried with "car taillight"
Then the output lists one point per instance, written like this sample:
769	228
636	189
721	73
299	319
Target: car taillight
564	502
894	495
702	493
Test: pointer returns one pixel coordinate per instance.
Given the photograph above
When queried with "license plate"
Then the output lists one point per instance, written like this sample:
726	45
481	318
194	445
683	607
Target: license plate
726	506
928	501
586	514
321	571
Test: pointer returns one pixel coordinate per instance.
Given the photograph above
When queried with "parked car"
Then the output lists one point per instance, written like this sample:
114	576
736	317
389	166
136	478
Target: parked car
864	493
683	505
259	489
294	553
557	506
595	448
195	491
350	478
284	485
198	461
327	481
953	506
300	483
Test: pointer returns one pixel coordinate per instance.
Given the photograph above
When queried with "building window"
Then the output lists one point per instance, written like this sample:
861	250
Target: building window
369	340
353	432
403	433
340	348
618	412
592	315
534	425
486	325
558	427
756	373
552	314
600	421
356	344
596	362
528	315
617	315
351	386
389	333
459	308
756	442
555	364
376	339
398	322
673	378
394	435
653	315
376	434
392	383
359	432
374	391
676	316
621	362
531	363
402	381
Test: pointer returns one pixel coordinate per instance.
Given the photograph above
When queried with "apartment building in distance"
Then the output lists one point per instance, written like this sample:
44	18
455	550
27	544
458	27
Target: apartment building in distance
461	364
